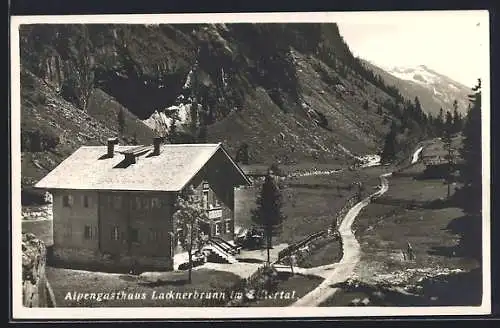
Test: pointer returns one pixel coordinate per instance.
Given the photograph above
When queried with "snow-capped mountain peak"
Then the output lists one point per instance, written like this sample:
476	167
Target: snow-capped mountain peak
420	74
434	90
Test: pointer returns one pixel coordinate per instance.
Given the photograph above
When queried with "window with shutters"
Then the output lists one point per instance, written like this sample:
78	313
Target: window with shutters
67	200
154	235
145	203
86	202
87	233
115	233
155	202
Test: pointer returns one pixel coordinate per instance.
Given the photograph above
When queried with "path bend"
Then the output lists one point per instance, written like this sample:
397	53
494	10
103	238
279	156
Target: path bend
342	270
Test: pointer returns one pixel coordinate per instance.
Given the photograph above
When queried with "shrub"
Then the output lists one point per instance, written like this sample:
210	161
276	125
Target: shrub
38	140
275	168
30	196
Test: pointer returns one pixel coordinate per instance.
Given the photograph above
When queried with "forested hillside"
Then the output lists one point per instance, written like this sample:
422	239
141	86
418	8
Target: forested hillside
285	93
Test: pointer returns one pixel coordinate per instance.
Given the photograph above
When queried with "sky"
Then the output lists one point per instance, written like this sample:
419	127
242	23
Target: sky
453	45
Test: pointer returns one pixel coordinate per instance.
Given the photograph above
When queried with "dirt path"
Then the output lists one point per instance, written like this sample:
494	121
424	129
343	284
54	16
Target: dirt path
339	272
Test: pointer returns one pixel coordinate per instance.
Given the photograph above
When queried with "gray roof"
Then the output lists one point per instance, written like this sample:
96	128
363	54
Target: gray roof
88	168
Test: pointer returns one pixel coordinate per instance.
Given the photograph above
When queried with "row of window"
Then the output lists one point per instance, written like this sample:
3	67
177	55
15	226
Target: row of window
116	202
90	232
69	201
135	236
138	202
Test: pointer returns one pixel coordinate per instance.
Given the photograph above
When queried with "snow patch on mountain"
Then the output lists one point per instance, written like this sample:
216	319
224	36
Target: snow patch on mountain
161	120
419	74
442	89
178	114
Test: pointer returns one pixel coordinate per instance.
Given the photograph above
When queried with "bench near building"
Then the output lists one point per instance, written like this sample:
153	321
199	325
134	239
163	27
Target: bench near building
113	205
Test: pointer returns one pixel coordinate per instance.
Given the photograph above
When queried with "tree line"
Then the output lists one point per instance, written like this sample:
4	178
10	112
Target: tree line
446	126
410	119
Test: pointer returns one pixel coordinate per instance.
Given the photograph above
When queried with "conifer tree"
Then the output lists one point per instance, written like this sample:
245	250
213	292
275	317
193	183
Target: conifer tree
439	122
389	151
268	213
457	118
447	140
448	124
418	106
471	171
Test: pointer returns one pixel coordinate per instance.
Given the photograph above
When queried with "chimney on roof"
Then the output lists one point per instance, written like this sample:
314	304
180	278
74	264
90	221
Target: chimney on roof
111	146
157	145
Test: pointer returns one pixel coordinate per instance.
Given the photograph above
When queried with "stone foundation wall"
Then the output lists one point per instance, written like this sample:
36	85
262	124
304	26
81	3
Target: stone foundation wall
86	259
34	280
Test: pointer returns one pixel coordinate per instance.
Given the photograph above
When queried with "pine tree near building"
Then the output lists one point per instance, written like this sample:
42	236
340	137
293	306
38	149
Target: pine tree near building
268	214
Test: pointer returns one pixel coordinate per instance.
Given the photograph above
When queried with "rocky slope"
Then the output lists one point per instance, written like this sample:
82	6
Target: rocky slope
291	92
433	89
34	283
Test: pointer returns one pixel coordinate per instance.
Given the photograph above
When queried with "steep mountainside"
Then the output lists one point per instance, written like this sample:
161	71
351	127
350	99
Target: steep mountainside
290	92
434	90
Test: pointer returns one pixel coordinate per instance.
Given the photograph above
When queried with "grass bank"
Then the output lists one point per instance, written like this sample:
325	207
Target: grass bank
295	286
310	202
67	284
445	243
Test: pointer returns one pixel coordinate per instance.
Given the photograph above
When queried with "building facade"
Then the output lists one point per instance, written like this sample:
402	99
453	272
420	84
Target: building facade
126	227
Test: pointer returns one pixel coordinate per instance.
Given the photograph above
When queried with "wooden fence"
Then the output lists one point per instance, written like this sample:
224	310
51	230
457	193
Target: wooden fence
293	248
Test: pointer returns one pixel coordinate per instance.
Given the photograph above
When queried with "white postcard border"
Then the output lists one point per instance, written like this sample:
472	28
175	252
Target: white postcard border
20	312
